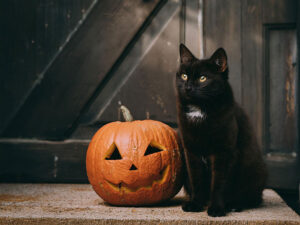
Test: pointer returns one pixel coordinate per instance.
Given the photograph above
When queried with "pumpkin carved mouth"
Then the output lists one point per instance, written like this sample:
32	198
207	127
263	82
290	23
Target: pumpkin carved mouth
124	187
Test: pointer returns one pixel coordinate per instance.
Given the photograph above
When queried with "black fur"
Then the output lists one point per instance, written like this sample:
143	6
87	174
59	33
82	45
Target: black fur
225	164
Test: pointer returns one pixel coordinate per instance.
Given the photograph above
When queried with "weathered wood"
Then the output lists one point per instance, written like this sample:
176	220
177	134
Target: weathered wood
56	22
51	161
17	58
252	50
282	129
69	83
55	87
275	12
283	171
138	81
42	161
222	28
32	34
268	84
156	72
193	27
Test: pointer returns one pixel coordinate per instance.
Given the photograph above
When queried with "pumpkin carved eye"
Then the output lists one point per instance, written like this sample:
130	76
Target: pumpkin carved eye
151	150
154	147
113	153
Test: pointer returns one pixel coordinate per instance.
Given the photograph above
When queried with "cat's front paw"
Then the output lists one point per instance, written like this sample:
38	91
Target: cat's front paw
192	206
216	211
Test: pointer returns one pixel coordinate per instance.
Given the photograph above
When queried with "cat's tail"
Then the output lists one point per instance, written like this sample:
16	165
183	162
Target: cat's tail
247	202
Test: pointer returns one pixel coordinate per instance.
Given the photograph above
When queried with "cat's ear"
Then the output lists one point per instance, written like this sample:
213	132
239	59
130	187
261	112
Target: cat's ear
219	58
185	54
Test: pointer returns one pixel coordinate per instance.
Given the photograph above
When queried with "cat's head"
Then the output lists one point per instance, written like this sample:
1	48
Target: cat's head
201	80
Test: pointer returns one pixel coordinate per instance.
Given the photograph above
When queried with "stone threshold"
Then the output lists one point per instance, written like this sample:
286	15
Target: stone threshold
79	204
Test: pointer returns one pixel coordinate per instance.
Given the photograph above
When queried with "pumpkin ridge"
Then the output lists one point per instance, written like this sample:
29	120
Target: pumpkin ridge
99	136
144	137
162	134
154	131
92	151
159	141
105	135
169	135
149	139
135	156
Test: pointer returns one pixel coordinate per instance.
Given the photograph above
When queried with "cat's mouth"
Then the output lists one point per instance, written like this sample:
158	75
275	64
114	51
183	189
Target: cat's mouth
123	187
187	96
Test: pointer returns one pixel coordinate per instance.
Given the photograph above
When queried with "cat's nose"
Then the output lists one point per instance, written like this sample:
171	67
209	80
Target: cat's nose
188	88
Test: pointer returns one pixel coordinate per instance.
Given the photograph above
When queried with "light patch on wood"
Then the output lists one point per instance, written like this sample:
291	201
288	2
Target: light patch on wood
55	166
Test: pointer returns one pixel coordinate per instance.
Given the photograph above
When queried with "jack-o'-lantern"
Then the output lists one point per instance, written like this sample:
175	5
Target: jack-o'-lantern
135	163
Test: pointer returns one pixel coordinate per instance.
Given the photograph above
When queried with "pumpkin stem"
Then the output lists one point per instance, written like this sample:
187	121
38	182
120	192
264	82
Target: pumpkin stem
126	113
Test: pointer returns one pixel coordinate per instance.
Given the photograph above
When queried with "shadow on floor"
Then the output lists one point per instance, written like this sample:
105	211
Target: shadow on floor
291	198
176	201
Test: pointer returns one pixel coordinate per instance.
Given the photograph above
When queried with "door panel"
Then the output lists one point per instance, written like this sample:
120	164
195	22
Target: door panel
137	82
281	47
32	35
269	60
260	38
58	100
222	25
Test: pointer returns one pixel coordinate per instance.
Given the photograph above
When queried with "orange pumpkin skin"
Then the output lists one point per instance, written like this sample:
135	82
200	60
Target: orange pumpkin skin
155	177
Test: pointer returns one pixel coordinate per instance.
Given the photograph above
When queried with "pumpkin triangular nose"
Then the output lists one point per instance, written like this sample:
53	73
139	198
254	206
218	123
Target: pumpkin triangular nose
133	167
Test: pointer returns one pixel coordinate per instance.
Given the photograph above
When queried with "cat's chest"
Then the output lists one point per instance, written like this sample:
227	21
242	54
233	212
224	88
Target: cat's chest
195	114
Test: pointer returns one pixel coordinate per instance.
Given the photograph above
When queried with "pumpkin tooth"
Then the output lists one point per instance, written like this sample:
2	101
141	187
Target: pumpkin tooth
163	175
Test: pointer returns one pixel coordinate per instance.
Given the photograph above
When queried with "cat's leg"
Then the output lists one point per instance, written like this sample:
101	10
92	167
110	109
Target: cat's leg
221	167
196	184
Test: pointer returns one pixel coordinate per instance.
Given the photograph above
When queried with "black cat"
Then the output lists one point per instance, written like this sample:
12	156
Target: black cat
225	167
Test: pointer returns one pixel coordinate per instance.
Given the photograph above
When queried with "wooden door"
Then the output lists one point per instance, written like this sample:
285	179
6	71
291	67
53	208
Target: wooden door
261	40
71	64
68	67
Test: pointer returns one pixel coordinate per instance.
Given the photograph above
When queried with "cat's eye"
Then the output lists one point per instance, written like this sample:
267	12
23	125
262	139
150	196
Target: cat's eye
184	76
202	79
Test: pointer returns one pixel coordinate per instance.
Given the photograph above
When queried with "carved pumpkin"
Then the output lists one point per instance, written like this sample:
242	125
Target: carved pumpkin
135	163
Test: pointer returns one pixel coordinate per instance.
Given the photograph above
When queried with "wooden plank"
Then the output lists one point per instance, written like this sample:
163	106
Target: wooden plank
194	27
70	82
17	58
279	11
222	28
24	160
252	50
149	91
282	130
42	161
56	22
144	79
279	87
283	171
279	133
34	33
